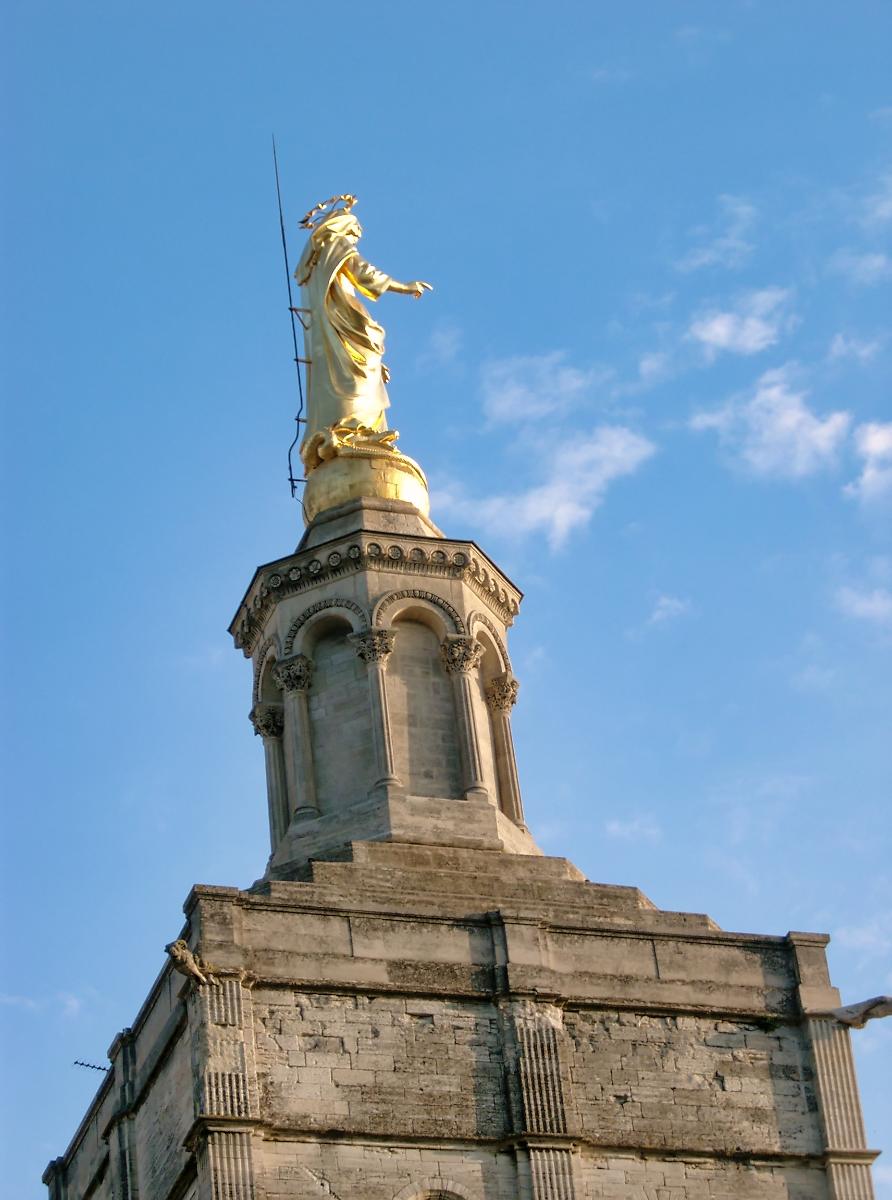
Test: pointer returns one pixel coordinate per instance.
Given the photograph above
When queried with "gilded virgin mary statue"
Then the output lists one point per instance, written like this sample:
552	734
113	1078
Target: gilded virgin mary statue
347	397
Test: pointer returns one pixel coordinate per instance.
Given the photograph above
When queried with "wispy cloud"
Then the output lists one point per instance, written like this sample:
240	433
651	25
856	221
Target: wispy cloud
878	205
443	346
753	324
536	385
638	829
866	604
726	244
863	268
13	1001
606	74
873	444
576	486
774	433
843	347
668	608
871	937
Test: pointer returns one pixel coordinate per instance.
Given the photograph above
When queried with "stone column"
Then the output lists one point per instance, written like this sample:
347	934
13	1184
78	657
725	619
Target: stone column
532	1034
845	1147
501	695
295	676
269	723
374	647
460	656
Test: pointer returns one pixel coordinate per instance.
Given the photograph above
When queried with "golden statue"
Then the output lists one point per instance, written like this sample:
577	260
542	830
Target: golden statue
347	397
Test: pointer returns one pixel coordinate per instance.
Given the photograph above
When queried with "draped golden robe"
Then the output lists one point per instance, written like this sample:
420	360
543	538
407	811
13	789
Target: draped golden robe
345	345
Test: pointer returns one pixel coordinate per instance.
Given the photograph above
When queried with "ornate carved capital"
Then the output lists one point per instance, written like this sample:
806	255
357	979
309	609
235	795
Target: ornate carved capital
460	655
268	720
501	693
374	645
294	674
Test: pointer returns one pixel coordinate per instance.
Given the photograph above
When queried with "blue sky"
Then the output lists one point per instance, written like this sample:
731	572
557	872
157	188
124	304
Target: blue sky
652	381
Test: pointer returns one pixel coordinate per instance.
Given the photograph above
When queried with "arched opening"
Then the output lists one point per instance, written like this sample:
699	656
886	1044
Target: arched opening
422	708
340	719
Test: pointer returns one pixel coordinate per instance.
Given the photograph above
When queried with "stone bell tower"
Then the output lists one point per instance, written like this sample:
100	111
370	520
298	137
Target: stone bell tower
383	688
413	1002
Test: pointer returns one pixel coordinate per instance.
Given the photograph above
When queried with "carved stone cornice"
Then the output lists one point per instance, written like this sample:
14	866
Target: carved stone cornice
501	693
460	655
437	558
294	674
375	645
268	720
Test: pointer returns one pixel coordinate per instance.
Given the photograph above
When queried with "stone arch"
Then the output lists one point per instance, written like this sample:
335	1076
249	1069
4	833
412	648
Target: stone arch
434	1188
269	650
392	605
499	647
337	606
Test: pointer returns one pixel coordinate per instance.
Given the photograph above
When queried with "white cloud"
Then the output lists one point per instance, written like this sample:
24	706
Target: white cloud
843	346
443	347
668	608
813	678
866	604
884	113
610	75
878	207
864	268
582	471
12	1001
873	444
71	1005
774	432
873	937
639	829
753	325
536	385
727	244
653	367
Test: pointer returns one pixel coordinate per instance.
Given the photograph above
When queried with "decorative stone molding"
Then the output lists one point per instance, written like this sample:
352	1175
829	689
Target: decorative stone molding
375	645
460	655
437	1187
482	619
268	650
268	720
321	606
294	674
501	693
294	575
417	594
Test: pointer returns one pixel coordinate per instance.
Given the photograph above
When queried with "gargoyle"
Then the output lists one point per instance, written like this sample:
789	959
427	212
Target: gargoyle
187	963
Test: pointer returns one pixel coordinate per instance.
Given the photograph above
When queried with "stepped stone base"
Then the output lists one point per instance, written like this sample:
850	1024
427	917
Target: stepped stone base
396	817
406	1021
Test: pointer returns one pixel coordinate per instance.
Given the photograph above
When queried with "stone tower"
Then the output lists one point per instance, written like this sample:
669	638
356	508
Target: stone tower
412	1002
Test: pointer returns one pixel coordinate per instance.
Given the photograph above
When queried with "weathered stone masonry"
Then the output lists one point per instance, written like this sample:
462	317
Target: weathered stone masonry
414	1003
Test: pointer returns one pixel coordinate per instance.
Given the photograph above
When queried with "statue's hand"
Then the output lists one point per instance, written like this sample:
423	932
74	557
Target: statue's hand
419	287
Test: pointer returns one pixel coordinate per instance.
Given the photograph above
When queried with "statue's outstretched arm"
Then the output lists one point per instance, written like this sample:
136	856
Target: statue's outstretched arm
417	288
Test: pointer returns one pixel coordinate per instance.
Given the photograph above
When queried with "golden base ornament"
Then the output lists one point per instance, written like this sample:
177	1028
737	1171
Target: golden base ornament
360	472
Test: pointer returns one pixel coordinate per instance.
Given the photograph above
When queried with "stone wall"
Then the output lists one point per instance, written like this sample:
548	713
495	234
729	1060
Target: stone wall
425	1067
343	756
422	714
691	1082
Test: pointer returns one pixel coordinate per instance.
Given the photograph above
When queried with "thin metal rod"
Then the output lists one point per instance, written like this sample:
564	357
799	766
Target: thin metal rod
291	311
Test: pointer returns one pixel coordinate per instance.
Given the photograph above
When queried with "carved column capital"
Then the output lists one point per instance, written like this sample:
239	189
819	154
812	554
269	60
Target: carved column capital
268	720
501	693
294	674
374	645
460	655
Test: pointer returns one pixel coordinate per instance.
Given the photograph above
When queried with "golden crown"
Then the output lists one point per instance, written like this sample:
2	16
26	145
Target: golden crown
326	208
